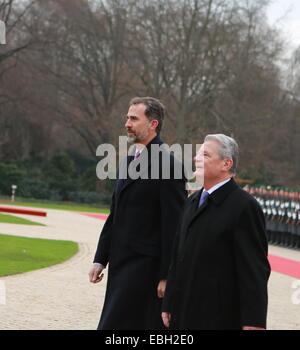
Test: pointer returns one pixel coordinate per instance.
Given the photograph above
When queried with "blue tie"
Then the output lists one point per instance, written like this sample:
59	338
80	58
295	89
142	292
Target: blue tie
203	197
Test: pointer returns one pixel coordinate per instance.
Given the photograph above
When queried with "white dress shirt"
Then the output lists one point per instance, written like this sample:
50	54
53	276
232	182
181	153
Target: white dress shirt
215	187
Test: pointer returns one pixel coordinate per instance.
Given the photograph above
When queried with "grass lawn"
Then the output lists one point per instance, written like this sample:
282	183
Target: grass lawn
10	219
21	254
61	206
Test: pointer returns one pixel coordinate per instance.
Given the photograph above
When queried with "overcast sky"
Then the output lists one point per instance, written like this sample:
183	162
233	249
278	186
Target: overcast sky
286	15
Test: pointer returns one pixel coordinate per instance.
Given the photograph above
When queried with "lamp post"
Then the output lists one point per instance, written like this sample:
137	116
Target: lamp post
13	191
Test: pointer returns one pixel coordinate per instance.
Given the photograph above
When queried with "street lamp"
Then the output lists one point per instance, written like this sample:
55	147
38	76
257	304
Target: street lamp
13	191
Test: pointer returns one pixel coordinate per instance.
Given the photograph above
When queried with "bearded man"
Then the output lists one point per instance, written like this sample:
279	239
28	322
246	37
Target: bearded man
137	238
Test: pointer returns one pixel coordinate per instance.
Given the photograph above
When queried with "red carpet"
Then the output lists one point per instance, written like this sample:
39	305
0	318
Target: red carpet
285	266
14	210
281	265
96	216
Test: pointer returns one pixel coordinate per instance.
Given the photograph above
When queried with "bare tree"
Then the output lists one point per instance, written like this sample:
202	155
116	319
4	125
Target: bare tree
293	76
186	52
84	64
15	124
12	14
214	63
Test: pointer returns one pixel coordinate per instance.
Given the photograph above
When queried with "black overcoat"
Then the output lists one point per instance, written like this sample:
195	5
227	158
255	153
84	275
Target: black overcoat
219	271
137	241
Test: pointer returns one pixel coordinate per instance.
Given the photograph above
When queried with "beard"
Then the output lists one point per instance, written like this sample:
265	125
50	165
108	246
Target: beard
137	137
132	139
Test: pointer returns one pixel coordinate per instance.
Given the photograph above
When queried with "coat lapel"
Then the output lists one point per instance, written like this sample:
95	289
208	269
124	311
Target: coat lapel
217	197
123	173
193	210
129	180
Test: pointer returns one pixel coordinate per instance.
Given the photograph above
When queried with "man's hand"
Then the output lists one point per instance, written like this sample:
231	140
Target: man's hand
250	328
161	288
166	317
95	274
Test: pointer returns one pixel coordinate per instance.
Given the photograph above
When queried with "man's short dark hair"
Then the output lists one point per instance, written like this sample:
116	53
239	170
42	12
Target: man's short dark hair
154	109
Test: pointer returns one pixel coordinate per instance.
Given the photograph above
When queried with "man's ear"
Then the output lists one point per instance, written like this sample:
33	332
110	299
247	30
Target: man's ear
154	124
228	163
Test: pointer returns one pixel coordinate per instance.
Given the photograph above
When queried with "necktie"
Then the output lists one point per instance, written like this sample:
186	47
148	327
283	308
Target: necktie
138	153
203	197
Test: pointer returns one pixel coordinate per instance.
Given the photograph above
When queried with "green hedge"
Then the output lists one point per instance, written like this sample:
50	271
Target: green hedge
61	178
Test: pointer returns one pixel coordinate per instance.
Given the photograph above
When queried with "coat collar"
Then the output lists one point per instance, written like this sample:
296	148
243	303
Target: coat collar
220	194
217	197
155	141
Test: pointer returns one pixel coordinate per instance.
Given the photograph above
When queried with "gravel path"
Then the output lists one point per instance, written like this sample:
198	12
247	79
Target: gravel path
61	297
58	297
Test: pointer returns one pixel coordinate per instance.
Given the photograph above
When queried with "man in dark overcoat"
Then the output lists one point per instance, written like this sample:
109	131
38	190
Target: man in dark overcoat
137	238
219	271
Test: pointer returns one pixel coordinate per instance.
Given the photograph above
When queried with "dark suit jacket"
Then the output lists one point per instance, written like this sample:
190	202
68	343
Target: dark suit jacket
136	241
219	272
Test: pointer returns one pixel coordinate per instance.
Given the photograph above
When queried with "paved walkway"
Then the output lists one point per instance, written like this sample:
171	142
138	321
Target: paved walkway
61	297
58	297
